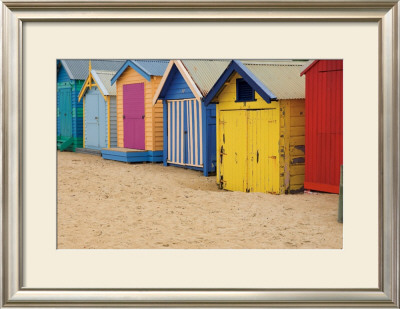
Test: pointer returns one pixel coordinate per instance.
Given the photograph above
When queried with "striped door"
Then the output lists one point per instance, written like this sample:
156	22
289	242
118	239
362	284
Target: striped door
133	104
185	133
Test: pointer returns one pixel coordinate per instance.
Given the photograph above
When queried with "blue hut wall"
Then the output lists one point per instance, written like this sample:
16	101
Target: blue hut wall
96	120
189	127
64	82
176	87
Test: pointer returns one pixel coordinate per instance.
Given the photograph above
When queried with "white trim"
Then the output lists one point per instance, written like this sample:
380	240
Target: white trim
189	80
186	76
162	82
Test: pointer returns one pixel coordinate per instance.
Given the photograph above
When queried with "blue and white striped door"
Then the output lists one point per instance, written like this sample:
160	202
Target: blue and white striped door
185	133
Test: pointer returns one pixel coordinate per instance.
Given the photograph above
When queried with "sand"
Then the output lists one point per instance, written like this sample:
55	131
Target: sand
109	205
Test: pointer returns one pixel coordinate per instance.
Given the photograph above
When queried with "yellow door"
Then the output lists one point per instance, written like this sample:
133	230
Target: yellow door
263	151
232	152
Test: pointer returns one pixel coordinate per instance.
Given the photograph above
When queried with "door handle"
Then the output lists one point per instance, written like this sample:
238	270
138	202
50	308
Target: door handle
96	118
123	116
142	116
258	155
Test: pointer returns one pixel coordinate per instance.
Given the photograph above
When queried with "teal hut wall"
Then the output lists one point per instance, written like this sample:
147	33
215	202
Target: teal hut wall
74	86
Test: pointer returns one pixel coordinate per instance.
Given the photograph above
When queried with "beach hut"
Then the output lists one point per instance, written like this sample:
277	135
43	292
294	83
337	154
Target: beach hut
99	111
71	75
189	126
139	123
260	126
324	125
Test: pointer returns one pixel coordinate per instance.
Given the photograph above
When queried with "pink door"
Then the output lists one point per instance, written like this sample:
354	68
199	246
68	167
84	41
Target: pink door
133	95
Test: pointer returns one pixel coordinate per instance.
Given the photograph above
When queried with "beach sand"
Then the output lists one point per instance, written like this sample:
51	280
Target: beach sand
110	205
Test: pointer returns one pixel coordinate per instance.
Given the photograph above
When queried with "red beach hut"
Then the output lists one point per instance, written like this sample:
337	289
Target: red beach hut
324	125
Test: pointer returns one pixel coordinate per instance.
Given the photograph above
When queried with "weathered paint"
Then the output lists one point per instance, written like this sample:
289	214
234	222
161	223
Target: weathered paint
259	145
324	125
153	121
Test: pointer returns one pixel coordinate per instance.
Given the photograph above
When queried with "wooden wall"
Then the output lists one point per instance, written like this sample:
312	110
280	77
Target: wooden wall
153	114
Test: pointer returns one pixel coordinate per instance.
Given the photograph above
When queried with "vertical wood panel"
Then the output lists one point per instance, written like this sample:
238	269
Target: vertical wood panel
324	126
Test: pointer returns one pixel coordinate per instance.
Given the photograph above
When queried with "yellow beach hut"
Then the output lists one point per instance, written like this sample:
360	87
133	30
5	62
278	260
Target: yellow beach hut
260	126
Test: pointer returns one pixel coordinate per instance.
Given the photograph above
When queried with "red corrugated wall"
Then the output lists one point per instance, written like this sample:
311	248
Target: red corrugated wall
324	125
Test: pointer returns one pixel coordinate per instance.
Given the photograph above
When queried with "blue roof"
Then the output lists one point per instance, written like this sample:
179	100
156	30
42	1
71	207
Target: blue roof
146	68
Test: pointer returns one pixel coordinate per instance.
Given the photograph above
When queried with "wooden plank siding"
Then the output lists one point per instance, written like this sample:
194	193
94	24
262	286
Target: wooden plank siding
293	128
283	121
63	81
153	114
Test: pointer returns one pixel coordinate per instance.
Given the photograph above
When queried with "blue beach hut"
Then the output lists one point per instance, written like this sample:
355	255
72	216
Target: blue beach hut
189	125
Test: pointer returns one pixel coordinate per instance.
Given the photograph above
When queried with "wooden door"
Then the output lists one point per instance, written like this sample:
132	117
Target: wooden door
133	109
65	110
232	153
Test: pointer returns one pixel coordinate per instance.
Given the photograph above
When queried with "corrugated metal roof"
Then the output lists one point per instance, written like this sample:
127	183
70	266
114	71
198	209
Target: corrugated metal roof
103	79
205	72
281	77
152	67
79	69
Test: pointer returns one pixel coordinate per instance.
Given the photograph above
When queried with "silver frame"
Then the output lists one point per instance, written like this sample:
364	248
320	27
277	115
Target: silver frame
384	13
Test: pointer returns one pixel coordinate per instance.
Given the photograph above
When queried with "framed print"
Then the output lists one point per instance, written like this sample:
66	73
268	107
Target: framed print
43	267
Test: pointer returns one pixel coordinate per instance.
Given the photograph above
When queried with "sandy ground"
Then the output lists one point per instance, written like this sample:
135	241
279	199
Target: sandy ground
108	204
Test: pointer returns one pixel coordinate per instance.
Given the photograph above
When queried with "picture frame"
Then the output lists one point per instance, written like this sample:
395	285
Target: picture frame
384	13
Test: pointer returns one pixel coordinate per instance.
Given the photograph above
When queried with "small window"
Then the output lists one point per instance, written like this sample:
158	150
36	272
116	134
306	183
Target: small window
244	92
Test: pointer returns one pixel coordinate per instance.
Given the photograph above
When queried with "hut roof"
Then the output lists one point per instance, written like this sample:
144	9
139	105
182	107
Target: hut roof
78	69
146	68
272	80
103	79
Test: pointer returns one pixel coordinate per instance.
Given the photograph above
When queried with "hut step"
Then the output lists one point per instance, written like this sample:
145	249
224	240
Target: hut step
64	144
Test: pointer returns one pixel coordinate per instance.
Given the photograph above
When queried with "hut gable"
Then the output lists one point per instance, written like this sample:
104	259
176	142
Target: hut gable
148	72
175	86
272	80
100	79
185	77
62	74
